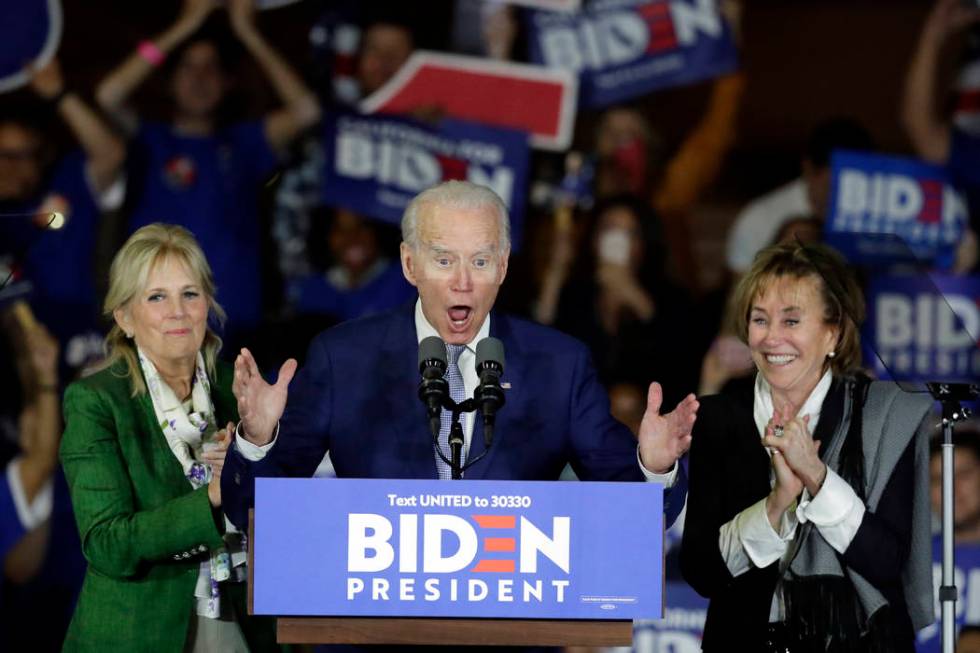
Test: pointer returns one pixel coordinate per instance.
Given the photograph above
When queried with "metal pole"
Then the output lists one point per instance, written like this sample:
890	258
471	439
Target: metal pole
947	591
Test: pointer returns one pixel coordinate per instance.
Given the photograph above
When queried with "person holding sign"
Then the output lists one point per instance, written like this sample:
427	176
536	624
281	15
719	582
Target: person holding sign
142	451
808	512
356	397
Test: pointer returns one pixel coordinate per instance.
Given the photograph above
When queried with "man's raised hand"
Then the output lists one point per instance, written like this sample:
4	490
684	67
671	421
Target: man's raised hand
260	405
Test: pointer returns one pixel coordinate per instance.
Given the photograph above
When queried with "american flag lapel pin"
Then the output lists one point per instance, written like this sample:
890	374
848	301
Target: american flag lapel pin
505	385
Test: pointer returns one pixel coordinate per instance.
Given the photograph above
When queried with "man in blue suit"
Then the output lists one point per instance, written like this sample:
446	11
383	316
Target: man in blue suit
356	395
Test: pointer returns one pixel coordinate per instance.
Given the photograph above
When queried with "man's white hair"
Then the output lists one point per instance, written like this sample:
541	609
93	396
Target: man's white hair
455	194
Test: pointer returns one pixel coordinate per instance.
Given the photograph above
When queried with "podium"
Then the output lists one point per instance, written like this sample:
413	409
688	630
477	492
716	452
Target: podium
459	632
442	630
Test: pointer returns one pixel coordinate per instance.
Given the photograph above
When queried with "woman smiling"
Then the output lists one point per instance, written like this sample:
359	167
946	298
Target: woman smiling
808	511
143	454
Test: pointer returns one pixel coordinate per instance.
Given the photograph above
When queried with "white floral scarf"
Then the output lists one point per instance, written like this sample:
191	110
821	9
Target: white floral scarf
188	433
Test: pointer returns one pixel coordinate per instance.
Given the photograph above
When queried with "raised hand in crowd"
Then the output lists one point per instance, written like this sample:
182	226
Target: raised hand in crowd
499	31
300	106
40	419
727	358
39	435
928	131
115	90
621	294
104	151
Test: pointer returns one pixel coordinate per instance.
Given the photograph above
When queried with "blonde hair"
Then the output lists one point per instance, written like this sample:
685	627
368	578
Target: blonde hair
842	298
128	276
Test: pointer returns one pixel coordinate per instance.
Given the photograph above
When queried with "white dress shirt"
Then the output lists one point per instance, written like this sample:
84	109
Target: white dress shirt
749	540
467	367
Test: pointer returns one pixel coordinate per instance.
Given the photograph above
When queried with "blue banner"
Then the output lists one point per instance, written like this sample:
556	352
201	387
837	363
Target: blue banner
622	49
507	549
924	328
375	165
874	194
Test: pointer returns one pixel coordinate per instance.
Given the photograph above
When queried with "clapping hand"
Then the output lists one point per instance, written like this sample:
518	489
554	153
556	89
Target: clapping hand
214	455
797	448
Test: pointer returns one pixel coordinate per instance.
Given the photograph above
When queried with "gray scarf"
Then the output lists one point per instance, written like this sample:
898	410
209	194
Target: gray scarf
888	417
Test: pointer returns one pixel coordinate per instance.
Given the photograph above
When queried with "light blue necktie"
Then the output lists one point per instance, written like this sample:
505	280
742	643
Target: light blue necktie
457	391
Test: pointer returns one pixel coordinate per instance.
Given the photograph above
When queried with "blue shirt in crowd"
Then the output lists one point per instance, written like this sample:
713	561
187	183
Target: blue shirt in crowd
210	185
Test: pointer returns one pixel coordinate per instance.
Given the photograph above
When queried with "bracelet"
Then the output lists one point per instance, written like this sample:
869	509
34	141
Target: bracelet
150	53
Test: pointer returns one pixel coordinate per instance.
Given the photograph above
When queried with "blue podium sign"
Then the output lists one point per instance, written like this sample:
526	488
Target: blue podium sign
417	548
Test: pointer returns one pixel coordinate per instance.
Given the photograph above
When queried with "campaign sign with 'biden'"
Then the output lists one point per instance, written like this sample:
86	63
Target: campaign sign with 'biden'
924	328
625	48
425	548
872	194
375	165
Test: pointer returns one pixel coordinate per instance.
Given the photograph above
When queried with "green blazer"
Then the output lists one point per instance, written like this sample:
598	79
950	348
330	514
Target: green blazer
142	526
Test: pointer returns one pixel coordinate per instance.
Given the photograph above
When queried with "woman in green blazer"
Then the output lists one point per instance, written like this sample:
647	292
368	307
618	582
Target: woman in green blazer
143	454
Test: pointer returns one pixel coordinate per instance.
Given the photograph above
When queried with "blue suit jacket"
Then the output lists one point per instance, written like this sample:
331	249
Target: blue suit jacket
356	396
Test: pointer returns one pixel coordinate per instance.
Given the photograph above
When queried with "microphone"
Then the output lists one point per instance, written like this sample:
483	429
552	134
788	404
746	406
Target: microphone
433	387
489	395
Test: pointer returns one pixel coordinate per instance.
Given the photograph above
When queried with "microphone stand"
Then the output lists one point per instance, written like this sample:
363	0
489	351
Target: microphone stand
949	395
456	438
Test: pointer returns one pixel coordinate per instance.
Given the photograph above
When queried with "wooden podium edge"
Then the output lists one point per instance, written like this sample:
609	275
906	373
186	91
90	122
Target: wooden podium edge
407	631
476	632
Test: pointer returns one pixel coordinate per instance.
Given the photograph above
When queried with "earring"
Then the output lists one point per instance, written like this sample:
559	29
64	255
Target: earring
129	334
831	354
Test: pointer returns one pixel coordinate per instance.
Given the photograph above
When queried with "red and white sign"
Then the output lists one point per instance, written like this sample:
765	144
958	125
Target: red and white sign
535	99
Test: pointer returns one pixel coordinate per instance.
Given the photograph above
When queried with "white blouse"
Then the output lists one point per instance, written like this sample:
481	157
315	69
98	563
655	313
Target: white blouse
749	540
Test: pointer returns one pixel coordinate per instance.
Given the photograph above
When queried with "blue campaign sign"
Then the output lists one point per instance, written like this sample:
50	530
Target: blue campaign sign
29	34
924	328
875	194
414	548
375	165
625	48
681	629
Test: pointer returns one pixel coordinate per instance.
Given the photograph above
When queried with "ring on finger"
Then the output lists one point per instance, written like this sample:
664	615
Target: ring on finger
777	430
